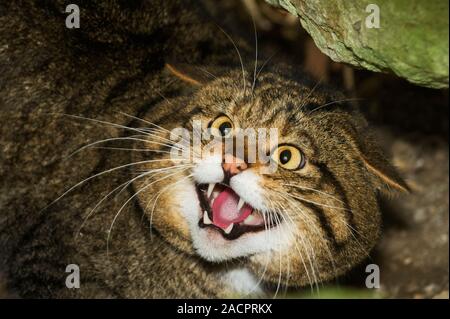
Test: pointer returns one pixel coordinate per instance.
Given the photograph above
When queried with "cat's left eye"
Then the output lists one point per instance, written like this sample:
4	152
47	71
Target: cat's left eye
222	126
288	157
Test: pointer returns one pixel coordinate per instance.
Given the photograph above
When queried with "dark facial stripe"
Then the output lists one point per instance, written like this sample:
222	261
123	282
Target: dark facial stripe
324	223
342	195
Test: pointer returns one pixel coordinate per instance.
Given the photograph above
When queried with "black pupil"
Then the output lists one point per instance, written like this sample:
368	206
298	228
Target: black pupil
285	156
225	128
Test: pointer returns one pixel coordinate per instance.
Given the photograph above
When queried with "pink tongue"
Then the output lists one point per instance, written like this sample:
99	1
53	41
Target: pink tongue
225	210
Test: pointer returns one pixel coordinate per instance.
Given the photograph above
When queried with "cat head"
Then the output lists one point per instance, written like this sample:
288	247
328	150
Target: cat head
302	210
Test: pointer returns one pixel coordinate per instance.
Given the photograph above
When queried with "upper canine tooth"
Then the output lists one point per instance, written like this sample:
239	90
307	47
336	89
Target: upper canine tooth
240	204
210	189
229	229
206	219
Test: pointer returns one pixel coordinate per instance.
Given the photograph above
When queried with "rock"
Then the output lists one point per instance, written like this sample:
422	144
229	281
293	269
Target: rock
431	288
407	261
412	40
420	215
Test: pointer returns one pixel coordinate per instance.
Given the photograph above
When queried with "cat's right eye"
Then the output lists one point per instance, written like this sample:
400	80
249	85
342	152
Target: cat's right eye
289	157
222	126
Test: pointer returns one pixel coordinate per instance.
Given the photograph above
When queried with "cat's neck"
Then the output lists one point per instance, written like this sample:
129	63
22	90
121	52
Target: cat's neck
241	282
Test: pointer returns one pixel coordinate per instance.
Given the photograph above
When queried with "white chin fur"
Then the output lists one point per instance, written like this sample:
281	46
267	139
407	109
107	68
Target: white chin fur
209	243
213	247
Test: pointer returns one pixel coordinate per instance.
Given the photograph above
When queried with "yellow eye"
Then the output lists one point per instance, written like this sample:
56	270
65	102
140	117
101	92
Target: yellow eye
288	157
222	126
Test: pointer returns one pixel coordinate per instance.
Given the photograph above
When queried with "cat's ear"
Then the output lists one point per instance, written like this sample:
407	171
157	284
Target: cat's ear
382	171
193	75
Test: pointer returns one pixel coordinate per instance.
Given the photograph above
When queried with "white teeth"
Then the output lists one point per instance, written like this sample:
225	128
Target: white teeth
210	189
240	204
250	218
229	229
206	219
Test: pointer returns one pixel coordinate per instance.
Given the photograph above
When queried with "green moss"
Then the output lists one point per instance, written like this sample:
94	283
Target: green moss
333	292
412	41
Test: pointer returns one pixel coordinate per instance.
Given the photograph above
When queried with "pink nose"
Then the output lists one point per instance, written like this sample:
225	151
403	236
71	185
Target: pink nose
233	165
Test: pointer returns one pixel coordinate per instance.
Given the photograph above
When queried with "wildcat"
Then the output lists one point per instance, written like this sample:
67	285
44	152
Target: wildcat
319	207
309	221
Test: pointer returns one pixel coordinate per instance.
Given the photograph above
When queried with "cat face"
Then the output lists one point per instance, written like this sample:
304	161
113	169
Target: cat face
310	219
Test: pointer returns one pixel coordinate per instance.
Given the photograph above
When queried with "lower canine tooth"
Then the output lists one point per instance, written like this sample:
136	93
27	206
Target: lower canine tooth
206	219
229	229
240	204
210	189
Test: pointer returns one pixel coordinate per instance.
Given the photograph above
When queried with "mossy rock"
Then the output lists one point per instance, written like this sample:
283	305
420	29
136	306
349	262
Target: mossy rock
412	40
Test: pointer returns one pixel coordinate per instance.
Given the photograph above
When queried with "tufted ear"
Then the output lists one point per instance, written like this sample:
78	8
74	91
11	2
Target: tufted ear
193	75
384	174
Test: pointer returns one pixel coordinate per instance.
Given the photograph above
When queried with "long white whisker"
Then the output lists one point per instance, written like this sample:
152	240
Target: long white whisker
291	226
240	58
316	203
306	247
159	194
266	229
123	186
119	139
129	199
256	53
145	121
100	122
307	220
264	64
94	176
280	264
310	222
333	102
286	285
158	127
314	190
310	93
131	149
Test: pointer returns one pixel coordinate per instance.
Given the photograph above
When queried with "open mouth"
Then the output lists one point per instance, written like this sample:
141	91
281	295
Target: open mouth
226	212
